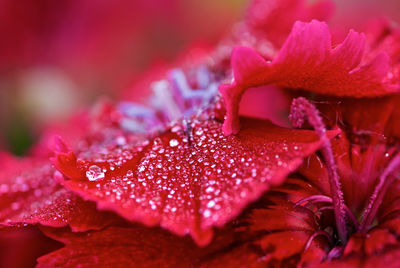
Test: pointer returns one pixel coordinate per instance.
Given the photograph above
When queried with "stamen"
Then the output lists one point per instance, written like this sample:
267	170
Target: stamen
378	194
173	99
314	199
335	253
349	214
300	110
314	235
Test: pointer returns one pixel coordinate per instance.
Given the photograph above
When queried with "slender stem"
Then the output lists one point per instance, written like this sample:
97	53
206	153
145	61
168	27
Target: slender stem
378	194
300	110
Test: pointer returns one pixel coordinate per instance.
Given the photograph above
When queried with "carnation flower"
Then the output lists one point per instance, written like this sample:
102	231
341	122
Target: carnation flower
185	179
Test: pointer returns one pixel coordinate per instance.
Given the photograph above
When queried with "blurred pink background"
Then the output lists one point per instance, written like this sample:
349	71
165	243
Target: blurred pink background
59	56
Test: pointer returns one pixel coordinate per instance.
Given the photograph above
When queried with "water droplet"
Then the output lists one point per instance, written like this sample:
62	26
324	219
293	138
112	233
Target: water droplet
209	189
173	143
15	206
207	213
211	204
4	188
120	140
176	128
37	192
95	173
199	132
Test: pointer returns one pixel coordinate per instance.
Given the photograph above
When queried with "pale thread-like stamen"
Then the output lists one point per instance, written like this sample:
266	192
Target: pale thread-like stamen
314	235
301	110
335	253
349	214
314	199
378	194
172	99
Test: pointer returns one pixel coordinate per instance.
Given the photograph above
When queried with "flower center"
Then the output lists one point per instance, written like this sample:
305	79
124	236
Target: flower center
173	98
300	110
385	180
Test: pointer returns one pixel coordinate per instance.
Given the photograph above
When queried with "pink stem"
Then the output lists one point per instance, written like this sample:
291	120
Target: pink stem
378	194
300	110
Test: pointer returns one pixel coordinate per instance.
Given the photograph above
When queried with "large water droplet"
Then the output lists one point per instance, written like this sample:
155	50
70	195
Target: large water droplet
173	143
95	173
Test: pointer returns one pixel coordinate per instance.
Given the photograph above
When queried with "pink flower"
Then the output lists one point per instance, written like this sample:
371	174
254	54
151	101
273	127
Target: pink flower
176	181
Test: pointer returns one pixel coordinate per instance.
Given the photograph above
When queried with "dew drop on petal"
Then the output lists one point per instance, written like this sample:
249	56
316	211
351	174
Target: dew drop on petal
15	206
211	204
173	143
95	173
207	213
4	188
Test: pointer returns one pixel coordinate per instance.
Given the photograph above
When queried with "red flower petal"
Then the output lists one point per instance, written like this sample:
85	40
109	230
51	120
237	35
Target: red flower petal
30	195
375	117
283	217
151	247
377	249
123	247
392	128
134	247
190	178
307	61
282	246
20	247
357	164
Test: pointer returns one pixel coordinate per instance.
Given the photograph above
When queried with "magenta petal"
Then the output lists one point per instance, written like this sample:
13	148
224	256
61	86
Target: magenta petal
307	61
246	62
190	180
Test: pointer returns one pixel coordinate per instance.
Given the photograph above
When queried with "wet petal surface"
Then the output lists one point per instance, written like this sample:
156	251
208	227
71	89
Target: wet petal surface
191	177
29	194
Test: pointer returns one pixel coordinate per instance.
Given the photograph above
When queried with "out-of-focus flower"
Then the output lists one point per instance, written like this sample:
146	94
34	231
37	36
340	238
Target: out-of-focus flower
176	181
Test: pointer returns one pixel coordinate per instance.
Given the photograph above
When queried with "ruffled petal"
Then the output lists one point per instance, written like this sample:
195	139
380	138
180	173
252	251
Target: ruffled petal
308	61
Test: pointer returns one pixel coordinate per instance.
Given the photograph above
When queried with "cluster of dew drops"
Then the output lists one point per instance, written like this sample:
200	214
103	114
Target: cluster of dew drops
192	160
36	197
189	160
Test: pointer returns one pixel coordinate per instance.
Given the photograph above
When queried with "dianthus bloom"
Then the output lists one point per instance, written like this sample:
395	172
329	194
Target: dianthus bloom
185	180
